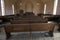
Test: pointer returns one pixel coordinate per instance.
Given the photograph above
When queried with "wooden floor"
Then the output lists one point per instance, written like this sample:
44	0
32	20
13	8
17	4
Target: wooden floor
32	36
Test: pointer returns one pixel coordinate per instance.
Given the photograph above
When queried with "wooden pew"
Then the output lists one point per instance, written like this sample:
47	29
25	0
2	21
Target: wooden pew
29	24
29	27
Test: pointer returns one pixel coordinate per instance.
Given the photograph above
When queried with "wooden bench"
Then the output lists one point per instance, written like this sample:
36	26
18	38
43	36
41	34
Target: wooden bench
29	28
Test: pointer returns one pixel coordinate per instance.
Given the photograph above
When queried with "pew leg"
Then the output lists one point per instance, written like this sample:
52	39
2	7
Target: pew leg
7	35
51	33
59	28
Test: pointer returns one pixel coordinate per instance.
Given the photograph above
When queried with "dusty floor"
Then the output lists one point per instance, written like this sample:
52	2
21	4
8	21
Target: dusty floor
28	36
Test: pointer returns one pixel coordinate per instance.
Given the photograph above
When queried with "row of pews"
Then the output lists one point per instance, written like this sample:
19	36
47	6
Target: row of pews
28	22
52	18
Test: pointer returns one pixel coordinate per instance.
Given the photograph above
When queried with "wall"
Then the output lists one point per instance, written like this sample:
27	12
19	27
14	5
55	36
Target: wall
8	6
0	8
58	8
50	5
37	6
31	5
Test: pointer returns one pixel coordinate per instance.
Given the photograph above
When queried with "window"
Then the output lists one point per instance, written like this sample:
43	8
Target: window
55	7
13	8
44	8
2	7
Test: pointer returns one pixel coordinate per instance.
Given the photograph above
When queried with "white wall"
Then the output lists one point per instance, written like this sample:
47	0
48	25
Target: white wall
58	8
50	5
8	7
36	8
0	8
